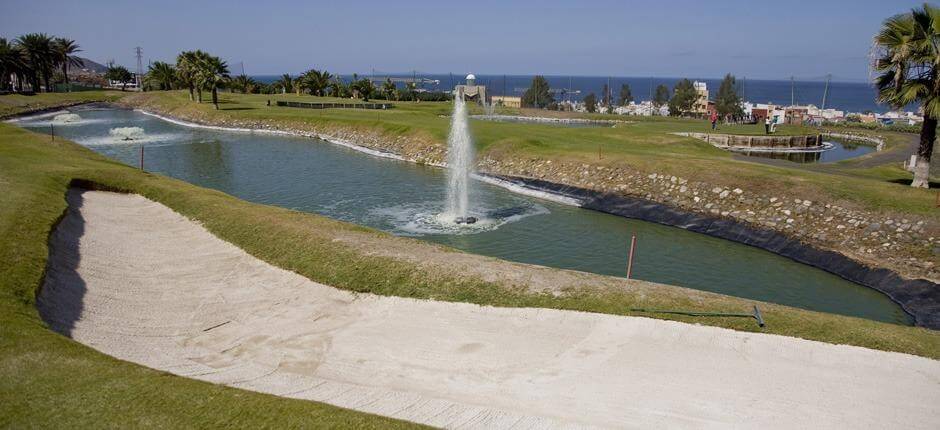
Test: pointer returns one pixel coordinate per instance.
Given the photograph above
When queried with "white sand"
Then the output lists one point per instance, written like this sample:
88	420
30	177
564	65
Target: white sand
154	288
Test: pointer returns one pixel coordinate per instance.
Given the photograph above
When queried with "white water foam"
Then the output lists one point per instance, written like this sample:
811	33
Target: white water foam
427	218
66	118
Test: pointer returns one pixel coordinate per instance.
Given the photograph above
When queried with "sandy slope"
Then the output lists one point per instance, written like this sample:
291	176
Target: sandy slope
133	279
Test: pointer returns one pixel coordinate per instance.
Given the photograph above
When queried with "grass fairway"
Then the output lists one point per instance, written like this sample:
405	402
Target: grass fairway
47	380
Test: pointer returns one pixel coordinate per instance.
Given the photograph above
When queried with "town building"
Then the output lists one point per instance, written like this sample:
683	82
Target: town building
506	101
700	107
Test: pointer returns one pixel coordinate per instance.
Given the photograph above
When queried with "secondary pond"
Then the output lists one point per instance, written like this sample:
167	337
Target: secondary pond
404	198
841	150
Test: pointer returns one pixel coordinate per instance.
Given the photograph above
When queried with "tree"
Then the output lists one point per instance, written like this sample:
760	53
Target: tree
11	65
907	53
316	81
727	101
605	96
299	84
118	74
683	98
625	95
244	84
161	75
284	84
590	103
362	88
212	74
390	90
338	88
186	68
39	58
63	50
539	94
662	96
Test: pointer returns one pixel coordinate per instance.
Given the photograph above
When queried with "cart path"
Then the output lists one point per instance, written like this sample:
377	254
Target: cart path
135	280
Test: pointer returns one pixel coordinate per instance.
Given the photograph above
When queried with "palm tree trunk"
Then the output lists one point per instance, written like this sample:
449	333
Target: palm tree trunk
192	90
65	74
198	95
215	97
928	133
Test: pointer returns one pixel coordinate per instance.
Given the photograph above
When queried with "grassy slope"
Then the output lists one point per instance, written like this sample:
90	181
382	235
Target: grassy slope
17	104
645	145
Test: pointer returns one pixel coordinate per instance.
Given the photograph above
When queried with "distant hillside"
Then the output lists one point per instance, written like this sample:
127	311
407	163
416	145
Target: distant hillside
90	67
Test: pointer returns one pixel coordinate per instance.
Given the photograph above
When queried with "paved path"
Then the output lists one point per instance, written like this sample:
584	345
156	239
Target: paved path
135	280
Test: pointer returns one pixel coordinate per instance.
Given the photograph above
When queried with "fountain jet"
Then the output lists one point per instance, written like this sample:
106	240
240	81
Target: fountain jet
460	156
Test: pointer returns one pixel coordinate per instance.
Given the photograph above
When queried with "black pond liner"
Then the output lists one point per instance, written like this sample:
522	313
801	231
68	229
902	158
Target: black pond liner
918	297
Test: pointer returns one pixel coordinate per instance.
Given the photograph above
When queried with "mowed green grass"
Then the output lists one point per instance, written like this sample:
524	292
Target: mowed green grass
47	380
647	145
17	104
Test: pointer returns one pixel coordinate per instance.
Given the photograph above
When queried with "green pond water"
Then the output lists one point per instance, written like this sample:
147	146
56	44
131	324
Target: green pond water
405	199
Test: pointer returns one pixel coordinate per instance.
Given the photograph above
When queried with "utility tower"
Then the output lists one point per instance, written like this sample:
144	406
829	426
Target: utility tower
140	64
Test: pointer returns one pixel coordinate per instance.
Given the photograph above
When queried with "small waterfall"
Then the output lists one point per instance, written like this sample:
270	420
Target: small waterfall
459	161
127	133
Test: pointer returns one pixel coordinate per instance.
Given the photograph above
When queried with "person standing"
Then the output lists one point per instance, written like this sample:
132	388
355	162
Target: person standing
714	119
767	124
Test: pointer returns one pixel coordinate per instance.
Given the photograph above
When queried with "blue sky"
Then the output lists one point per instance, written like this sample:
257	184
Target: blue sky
759	40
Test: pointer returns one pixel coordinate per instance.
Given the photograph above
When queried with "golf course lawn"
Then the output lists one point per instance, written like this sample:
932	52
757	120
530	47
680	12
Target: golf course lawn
47	380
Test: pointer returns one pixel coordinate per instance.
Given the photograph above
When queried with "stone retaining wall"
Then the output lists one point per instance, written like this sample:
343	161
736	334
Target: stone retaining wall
804	142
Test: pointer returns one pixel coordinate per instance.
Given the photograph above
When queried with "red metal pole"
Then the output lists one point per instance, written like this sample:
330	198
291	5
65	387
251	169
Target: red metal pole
630	258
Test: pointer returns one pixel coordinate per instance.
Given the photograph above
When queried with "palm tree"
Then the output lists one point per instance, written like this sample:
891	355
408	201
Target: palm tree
317	81
38	55
118	74
338	88
244	83
63	50
299	84
389	89
285	83
161	75
907	56
12	67
212	74
186	68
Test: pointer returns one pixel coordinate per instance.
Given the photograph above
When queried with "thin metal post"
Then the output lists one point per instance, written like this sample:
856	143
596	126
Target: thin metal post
52	130
141	157
630	258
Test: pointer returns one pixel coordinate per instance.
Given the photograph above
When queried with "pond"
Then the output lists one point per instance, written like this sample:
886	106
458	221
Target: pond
404	198
841	150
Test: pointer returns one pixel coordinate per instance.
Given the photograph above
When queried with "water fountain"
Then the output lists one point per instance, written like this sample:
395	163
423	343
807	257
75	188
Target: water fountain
460	157
127	133
66	118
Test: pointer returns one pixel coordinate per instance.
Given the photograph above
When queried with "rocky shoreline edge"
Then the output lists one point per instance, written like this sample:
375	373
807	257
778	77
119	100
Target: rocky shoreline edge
917	296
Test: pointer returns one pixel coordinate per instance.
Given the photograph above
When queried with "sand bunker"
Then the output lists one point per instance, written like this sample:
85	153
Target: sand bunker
135	280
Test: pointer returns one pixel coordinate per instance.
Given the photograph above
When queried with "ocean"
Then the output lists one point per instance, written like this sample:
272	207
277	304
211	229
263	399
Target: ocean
847	96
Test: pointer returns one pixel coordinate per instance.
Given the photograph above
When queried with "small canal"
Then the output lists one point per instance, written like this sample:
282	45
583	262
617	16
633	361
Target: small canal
404	198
